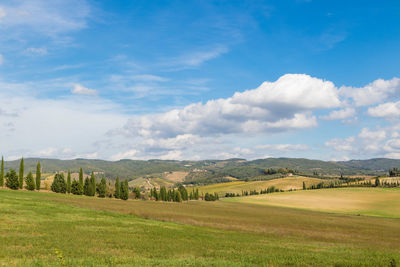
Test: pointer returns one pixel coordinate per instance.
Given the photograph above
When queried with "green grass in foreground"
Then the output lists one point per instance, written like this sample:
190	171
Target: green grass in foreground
383	202
40	229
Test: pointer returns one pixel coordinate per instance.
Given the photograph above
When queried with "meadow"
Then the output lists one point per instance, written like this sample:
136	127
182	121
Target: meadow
287	183
384	202
47	229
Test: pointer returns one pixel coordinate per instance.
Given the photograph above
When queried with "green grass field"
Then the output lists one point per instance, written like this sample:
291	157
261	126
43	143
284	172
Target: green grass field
383	202
294	182
47	229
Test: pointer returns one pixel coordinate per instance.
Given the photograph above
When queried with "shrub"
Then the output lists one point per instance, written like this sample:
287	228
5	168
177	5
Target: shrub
124	190
59	185
102	188
12	181
75	188
30	183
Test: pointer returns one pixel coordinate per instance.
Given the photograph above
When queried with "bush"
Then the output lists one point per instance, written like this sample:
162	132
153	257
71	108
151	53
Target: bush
12	181
75	188
124	190
30	183
102	188
59	185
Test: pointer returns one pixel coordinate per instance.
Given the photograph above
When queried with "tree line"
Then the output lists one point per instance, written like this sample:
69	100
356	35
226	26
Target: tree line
15	182
172	195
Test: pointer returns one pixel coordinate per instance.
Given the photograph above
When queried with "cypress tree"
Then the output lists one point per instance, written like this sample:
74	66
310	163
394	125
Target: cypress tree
86	187
377	182
304	185
81	191
2	172
59	185
183	192
21	173
12	180
136	191
178	196
124	190
92	189
117	192
75	187
30	183
102	188
69	182
163	193
38	175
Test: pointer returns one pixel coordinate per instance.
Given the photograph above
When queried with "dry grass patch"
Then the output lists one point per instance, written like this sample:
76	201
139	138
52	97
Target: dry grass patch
293	182
366	201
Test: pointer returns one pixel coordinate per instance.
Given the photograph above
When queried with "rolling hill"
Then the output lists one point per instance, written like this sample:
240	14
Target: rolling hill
209	171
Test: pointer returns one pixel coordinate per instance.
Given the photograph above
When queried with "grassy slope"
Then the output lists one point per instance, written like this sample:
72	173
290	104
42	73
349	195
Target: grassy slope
90	231
295	182
366	201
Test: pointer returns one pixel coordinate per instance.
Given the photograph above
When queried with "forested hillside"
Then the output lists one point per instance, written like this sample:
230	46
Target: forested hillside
210	171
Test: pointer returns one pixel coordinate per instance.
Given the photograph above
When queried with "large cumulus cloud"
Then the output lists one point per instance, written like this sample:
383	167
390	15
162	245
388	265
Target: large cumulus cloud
283	105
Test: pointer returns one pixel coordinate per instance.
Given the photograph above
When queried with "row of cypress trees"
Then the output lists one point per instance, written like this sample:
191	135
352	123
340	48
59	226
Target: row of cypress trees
17	182
174	195
89	187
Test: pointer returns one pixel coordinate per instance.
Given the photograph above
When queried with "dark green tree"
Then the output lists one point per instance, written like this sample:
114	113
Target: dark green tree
377	182
75	187
69	182
178	196
196	194
38	175
163	193
102	188
81	191
59	185
117	193
21	173
86	187
124	190
136	192
304	186
184	193
92	188
2	172
30	183
12	180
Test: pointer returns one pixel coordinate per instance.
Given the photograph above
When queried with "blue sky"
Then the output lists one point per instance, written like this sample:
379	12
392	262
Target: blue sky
199	79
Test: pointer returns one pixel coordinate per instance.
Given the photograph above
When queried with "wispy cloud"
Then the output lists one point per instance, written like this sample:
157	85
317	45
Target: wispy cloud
36	50
81	90
195	58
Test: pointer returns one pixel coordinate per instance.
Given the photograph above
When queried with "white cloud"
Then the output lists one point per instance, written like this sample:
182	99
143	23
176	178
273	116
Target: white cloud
390	110
2	13
274	106
46	17
148	78
81	90
45	127
36	50
373	93
283	147
379	142
292	90
172	155
194	59
340	114
1	59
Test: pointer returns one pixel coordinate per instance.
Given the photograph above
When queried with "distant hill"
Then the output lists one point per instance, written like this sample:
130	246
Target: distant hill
209	171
